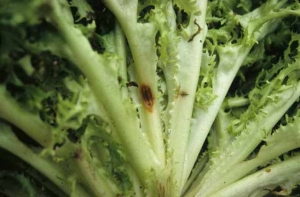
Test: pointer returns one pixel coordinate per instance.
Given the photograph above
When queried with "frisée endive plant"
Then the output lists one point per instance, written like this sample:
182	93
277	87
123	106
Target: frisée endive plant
149	98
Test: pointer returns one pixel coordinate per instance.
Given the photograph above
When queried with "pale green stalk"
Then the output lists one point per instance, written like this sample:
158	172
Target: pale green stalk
220	132
244	144
286	171
106	90
11	143
141	39
274	148
236	102
93	178
120	43
136	182
189	61
29	122
222	80
199	167
256	26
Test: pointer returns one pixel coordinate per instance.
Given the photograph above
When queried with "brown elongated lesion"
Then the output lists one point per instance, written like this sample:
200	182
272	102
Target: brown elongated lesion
180	92
183	93
147	97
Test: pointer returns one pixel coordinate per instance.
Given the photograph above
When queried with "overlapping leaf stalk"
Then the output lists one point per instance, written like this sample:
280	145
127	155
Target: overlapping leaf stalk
151	98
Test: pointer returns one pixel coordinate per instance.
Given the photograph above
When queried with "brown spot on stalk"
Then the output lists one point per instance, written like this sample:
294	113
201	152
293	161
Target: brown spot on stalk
78	154
268	170
147	97
183	93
